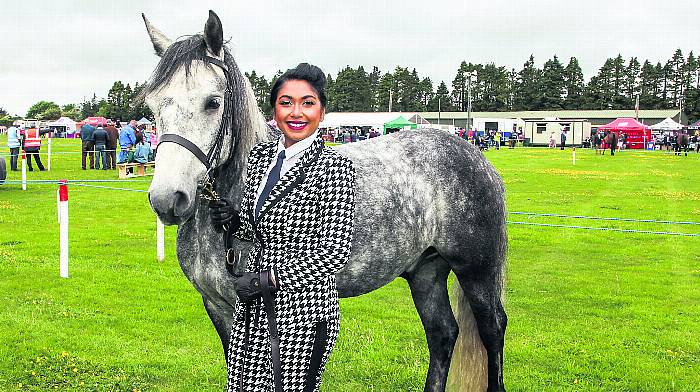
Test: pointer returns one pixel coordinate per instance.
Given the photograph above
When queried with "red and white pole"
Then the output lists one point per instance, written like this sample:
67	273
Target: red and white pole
160	240
63	226
24	171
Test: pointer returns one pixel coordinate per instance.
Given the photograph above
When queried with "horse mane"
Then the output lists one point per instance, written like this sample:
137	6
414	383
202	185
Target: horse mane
242	118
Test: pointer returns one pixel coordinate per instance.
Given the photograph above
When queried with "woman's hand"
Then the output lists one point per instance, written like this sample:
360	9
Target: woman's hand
223	213
248	287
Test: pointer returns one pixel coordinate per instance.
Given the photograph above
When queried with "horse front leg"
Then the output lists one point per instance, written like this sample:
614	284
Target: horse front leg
428	285
221	315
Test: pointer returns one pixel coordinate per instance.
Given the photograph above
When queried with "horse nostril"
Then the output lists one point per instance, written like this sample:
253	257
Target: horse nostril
182	202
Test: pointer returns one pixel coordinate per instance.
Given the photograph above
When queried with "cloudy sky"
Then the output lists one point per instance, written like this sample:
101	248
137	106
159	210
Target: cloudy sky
66	50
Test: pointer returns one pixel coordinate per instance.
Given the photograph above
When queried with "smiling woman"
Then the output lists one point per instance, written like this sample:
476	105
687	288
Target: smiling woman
299	102
298	212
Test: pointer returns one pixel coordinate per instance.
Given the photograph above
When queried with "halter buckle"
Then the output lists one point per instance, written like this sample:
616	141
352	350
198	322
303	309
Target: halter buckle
207	189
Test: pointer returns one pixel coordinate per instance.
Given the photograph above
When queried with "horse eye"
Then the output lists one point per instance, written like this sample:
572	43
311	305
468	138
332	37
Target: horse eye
212	104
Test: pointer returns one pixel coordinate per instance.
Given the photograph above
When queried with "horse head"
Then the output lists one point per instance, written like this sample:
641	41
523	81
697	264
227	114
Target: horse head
198	95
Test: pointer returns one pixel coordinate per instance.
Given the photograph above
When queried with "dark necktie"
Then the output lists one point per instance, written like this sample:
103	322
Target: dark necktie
271	181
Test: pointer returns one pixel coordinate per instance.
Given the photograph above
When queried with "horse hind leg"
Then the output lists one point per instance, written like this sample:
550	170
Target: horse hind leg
482	288
428	283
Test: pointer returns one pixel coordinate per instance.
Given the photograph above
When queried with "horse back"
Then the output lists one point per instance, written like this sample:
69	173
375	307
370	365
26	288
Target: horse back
417	189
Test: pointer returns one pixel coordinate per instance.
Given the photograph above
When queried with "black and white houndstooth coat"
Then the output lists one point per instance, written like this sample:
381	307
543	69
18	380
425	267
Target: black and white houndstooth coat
304	232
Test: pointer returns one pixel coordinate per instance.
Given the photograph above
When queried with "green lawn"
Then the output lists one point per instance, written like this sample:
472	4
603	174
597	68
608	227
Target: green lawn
588	310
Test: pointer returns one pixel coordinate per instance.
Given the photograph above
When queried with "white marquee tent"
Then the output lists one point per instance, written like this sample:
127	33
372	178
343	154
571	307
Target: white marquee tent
63	124
667	125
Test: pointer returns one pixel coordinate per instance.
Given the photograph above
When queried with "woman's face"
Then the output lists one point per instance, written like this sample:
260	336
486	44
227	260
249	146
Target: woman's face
298	111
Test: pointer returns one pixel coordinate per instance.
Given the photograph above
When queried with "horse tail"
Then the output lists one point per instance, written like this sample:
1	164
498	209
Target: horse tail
469	365
468	369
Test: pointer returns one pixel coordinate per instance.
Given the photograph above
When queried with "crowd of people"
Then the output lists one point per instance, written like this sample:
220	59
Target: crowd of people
139	144
491	138
99	144
667	140
348	134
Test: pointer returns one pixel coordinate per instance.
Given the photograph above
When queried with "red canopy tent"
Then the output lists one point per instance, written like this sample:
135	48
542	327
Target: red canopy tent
92	121
637	133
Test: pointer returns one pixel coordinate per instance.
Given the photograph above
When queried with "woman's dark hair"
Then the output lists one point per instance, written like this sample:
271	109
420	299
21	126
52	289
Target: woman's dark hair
304	71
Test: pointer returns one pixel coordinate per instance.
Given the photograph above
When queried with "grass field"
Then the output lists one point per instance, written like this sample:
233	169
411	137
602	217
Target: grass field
588	310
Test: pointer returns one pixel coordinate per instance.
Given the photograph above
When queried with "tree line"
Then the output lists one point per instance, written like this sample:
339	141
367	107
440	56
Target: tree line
555	86
495	88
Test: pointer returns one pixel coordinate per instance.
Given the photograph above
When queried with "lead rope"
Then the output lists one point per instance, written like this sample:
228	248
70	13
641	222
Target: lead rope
209	193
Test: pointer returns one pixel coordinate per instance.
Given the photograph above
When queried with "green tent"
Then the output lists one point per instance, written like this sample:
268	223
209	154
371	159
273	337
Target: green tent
399	123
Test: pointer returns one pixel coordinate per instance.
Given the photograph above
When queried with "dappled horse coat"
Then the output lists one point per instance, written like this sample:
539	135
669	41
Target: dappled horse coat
304	231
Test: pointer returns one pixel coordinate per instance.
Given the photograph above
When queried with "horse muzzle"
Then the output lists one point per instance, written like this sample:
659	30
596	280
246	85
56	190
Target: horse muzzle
172	208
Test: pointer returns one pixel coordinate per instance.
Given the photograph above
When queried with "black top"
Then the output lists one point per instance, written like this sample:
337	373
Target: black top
100	136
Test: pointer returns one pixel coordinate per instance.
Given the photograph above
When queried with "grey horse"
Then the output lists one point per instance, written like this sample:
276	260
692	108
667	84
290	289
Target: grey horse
428	203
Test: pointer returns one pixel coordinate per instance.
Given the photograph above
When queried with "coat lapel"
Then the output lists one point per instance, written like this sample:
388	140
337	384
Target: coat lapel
293	178
257	174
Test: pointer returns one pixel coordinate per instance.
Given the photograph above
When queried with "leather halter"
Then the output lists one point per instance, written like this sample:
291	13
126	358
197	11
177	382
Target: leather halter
208	160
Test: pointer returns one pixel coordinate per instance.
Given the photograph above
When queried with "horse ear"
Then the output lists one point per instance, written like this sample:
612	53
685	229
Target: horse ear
159	40
214	34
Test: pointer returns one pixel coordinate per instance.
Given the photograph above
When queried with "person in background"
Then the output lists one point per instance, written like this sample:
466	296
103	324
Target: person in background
14	144
154	142
138	133
142	152
101	139
113	133
497	139
595	142
563	136
32	146
86	135
552	141
127	140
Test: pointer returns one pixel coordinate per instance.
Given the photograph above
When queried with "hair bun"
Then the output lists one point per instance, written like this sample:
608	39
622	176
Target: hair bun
314	73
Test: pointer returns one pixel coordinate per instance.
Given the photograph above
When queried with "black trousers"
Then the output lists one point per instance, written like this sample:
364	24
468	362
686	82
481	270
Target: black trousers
14	155
35	154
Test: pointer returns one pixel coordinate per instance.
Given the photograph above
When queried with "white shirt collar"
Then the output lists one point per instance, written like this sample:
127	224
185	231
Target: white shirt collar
297	147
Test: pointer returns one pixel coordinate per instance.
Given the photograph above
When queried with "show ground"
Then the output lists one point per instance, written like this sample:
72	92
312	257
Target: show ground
588	310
